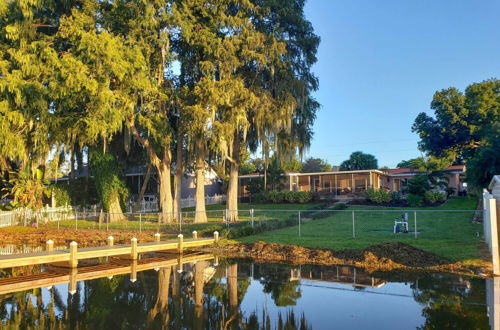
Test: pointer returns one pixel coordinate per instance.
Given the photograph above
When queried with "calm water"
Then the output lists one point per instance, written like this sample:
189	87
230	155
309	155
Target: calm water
236	294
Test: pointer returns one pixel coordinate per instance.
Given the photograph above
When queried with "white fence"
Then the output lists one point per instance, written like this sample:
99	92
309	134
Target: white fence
152	206
27	216
490	223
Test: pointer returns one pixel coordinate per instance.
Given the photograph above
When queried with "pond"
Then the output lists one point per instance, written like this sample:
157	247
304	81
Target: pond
214	293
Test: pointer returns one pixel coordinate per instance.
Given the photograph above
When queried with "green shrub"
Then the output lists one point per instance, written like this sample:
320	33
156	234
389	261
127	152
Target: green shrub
209	231
289	196
414	200
259	198
396	197
240	232
61	194
432	197
276	197
301	197
339	206
378	196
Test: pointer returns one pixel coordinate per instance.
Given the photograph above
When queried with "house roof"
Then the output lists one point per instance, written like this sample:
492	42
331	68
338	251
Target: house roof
410	171
390	172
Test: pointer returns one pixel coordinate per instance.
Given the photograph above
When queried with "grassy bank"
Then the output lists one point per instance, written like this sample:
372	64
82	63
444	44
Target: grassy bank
448	234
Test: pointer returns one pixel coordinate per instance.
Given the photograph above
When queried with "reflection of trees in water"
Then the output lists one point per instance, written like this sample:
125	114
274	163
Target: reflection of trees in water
276	281
173	300
451	302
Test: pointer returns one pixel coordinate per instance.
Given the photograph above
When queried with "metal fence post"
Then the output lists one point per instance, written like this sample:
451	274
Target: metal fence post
140	222
415	218
299	225
251	217
76	223
107	221
353	228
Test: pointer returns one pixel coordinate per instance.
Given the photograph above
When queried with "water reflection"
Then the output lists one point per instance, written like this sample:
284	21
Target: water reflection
199	292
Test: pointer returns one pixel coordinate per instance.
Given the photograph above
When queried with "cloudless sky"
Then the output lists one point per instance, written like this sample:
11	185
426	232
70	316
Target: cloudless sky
381	61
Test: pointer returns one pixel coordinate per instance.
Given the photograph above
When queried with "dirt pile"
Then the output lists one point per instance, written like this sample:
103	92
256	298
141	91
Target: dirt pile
84	237
380	257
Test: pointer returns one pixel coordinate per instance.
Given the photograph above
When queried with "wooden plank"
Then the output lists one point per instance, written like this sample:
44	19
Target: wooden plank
17	260
28	282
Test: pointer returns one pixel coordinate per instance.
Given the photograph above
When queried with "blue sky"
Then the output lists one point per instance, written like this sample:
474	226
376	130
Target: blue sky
380	62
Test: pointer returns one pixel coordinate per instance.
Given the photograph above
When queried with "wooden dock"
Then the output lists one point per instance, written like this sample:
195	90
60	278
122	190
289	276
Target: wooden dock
130	251
115	267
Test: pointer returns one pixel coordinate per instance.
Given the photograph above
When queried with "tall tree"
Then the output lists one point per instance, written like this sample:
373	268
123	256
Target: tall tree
146	26
312	165
359	161
463	124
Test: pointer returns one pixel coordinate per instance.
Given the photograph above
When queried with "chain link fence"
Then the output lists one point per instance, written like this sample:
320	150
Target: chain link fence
324	224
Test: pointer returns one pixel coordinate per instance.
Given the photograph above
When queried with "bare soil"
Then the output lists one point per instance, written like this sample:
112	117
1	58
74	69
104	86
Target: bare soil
61	237
377	258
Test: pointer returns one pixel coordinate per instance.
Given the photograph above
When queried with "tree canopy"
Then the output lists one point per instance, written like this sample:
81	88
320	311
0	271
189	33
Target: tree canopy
359	161
464	128
190	83
312	165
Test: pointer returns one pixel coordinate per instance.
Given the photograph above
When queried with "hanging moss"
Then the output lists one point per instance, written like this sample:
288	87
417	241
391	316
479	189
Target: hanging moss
108	183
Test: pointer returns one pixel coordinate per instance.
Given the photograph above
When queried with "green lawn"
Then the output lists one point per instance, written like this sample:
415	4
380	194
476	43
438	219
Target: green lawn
215	213
449	234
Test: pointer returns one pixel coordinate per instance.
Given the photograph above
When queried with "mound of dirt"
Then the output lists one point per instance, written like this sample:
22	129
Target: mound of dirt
380	257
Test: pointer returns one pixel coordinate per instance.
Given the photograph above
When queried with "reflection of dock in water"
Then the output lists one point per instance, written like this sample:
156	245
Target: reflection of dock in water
338	274
114	267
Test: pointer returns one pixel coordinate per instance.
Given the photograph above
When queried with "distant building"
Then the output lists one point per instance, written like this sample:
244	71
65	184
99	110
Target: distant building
352	184
134	178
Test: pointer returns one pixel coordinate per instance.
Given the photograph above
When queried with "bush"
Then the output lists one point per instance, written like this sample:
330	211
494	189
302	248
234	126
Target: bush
415	200
339	206
240	232
396	197
432	197
209	231
303	197
276	196
61	194
378	196
283	196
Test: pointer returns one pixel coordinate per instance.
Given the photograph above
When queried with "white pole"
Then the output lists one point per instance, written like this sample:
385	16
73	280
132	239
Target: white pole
415	217
494	235
299	225
353	229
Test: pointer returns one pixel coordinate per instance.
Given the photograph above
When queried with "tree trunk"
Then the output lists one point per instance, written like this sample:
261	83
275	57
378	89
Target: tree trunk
164	168
161	305
200	213
143	187
232	188
115	210
199	282
232	283
178	179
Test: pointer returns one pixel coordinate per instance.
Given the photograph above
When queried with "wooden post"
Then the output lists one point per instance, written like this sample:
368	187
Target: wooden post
216	236
195	234
157	237
133	271
49	246
179	263
133	248
181	241
72	281
73	258
111	241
